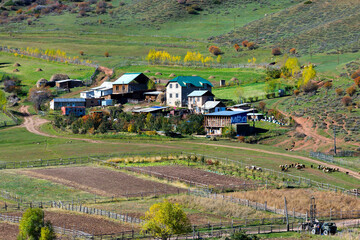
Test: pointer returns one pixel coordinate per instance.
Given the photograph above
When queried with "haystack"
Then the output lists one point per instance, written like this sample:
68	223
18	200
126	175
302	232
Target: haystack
194	75
172	75
16	70
158	73
146	71
234	79
17	65
212	77
41	83
38	70
58	77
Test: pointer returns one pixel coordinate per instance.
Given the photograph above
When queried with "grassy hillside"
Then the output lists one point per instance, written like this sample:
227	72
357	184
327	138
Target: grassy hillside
318	27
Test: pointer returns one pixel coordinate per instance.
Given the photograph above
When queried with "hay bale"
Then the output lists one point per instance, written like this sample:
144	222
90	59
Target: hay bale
153	78
158	73
172	75
212	77
194	75
16	70
38	70
41	83
58	77
147	71
234	79
17	65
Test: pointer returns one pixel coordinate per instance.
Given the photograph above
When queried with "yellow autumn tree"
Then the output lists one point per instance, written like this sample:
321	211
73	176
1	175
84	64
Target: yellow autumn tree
308	74
293	65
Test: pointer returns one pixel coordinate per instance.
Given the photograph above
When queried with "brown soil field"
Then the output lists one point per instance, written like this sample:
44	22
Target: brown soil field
299	199
101	181
83	222
8	231
195	175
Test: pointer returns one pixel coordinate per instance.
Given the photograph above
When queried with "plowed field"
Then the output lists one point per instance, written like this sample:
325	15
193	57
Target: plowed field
8	231
101	181
195	176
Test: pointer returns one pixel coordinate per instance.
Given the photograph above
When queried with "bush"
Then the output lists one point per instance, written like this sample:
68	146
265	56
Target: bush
262	106
328	85
237	47
357	81
292	51
251	46
245	43
347	100
273	73
310	87
191	10
81	53
296	92
215	50
351	90
276	51
356	74
339	91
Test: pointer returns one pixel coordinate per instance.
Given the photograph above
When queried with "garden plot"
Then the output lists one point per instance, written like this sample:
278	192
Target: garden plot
102	181
195	176
8	231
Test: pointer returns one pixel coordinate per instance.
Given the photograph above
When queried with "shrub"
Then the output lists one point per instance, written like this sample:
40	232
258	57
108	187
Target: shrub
310	87
196	7
339	91
251	46
296	92
81	53
273	73
262	106
215	50
191	10
20	11
237	47
347	100
292	50
357	81
29	22
356	74
276	51
100	10
351	90
107	54
245	43
241	139
328	85
308	2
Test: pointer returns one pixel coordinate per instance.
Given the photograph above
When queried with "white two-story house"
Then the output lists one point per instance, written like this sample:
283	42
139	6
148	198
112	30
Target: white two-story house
178	89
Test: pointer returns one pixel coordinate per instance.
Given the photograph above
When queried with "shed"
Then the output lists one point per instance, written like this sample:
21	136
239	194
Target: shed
215	122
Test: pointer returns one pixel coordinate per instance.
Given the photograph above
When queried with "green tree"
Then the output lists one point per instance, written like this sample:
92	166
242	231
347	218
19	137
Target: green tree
228	131
47	232
151	84
242	236
3	101
165	219
31	223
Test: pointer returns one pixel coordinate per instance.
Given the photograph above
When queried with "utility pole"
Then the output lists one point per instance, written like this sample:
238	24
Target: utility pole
287	216
234	22
334	140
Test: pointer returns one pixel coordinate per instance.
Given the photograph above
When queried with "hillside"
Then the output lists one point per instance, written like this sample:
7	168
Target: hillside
319	27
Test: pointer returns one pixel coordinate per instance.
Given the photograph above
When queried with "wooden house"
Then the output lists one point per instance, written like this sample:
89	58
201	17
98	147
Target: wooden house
130	83
215	122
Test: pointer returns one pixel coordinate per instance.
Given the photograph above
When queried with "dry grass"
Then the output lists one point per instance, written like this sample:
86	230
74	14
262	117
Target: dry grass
299	199
219	207
152	159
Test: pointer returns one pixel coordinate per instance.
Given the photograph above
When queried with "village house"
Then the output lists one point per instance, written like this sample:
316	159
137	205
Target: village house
178	89
215	122
130	82
198	98
69	83
213	106
106	88
76	111
57	103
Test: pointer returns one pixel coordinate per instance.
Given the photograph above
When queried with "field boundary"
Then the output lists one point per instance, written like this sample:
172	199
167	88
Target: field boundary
60	230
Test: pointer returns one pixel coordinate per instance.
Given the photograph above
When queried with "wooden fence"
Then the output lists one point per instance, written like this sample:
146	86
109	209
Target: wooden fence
62	231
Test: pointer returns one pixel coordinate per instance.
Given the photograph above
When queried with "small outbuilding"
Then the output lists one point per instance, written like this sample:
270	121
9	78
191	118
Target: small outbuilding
198	98
75	111
41	83
215	122
69	83
213	106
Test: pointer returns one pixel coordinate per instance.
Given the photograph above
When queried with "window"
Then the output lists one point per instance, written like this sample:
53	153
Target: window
177	95
198	99
170	95
170	85
117	88
177	85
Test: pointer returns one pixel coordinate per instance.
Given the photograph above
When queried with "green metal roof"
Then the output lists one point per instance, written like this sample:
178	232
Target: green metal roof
194	80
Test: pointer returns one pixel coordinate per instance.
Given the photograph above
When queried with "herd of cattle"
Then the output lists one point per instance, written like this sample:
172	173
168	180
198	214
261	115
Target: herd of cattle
299	166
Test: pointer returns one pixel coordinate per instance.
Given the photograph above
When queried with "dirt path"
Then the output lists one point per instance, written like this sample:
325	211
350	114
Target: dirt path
32	124
352	173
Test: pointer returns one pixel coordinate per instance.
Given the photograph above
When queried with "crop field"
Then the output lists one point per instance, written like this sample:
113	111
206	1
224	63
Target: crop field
36	189
194	175
8	231
299	199
102	181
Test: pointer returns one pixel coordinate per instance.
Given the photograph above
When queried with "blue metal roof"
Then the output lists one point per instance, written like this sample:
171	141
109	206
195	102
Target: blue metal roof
126	78
226	113
69	99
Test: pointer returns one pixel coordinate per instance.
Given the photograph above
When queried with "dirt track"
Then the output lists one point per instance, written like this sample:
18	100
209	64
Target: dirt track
32	124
